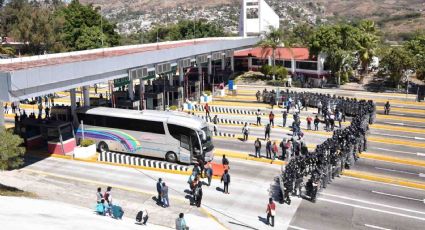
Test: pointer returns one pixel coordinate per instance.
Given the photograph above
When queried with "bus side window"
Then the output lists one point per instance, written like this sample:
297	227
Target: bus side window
184	142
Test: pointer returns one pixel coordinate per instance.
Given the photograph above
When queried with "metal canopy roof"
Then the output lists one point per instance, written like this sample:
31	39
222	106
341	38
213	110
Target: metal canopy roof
38	75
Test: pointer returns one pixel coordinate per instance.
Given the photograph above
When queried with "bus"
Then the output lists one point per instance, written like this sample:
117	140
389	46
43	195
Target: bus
170	135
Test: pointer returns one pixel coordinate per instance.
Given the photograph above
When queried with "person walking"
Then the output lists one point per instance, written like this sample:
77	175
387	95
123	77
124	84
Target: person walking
316	123
272	101
40	108
47	112
215	122
209	172
269	149
5	108
387	108
159	190
283	147
271	118
207	112
225	178
164	195
13	106
258	113
108	198
225	162
275	150
271	212
181	223
284	117
99	196
245	131
267	131
309	120
198	195
258	95
319	107
257	145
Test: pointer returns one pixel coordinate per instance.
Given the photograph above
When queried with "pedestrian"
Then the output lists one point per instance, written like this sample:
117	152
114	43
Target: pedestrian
164	195
271	118
142	216
99	196
309	120
181	223
257	145
53	100
207	112
271	212
198	195
46	101
225	178
267	131
5	108
387	108
215	122
269	149
258	113
225	162
245	131
289	104
316	123
284	117
272	101
319	107
40	109
108	198
332	121
283	147
275	150
209	172
47	112
159	190
258	95
13	107
95	88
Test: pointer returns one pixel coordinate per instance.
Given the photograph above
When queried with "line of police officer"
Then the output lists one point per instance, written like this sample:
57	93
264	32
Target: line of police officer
336	153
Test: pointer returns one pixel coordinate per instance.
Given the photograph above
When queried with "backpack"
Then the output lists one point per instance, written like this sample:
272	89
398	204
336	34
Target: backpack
139	216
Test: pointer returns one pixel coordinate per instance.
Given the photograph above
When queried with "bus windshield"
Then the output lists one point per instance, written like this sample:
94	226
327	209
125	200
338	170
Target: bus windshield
206	139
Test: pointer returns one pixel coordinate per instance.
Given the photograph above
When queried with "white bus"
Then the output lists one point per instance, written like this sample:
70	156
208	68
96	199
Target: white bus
173	136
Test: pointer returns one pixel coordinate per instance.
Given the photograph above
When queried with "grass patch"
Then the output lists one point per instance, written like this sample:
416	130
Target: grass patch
12	191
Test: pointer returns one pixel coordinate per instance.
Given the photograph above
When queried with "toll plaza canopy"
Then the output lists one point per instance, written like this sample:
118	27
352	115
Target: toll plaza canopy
26	77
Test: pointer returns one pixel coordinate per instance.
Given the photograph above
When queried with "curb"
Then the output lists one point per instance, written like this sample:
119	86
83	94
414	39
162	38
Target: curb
226	121
119	158
220	134
243	156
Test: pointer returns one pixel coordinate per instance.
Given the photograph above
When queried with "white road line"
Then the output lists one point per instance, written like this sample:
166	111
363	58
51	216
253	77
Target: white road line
383	183
376	227
394	123
392	135
396	151
398	114
421	154
372	209
393	170
402	197
421	175
419	138
297	228
373	203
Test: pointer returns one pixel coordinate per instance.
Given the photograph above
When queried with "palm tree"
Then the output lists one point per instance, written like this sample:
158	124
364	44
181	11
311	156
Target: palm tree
367	43
273	38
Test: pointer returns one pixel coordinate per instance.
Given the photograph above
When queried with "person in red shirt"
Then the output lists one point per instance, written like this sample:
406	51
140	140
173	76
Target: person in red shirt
309	120
207	112
271	118
271	212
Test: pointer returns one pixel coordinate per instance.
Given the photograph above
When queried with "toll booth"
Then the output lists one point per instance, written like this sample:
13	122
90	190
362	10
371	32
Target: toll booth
57	137
123	101
94	101
61	113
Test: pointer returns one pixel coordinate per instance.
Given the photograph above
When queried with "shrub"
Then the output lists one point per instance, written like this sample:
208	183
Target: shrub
11	150
173	107
266	70
86	142
207	92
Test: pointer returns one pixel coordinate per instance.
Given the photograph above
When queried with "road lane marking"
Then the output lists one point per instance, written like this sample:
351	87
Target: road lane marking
421	154
375	227
419	138
393	135
385	179
402	197
421	175
394	123
296	227
372	209
393	170
398	114
373	203
396	151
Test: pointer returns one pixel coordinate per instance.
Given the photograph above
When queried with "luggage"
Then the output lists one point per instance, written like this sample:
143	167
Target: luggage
139	216
117	212
100	209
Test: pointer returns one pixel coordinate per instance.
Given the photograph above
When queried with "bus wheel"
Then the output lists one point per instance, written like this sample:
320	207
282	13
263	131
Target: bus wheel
103	147
171	157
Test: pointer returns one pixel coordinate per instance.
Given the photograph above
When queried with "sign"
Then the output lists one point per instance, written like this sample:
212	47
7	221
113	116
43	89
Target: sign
202	59
121	82
216	56
184	63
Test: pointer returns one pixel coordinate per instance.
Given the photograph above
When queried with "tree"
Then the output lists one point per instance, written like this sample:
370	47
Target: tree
273	39
416	47
396	61
11	150
7	50
367	44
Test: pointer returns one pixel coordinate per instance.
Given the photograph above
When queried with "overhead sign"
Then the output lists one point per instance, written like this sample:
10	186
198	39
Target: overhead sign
229	53
163	68
138	73
121	81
